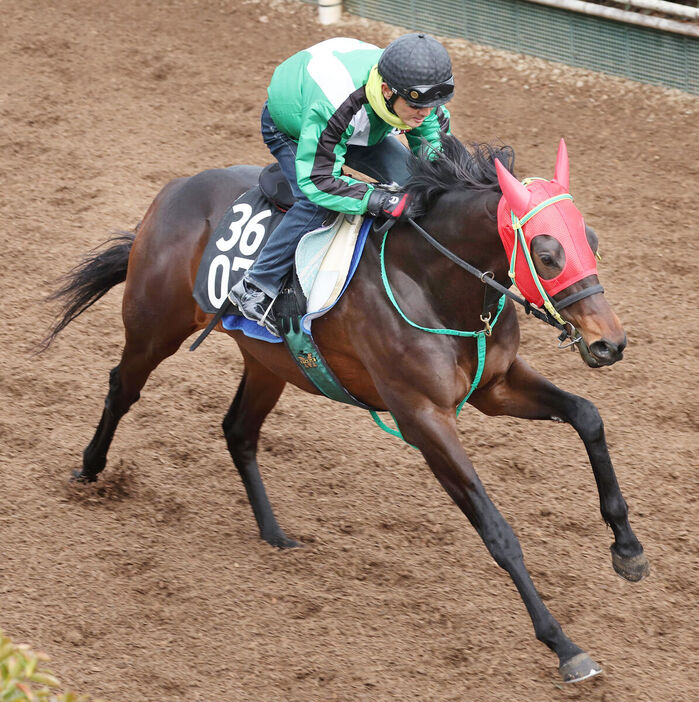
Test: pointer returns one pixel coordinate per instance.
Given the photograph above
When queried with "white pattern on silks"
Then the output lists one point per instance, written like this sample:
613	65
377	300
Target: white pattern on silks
334	79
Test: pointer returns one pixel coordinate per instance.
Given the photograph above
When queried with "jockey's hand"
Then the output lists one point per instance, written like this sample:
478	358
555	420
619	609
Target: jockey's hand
384	203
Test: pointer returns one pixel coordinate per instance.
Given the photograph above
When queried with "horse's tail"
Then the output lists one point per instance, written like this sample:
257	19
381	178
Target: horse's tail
82	286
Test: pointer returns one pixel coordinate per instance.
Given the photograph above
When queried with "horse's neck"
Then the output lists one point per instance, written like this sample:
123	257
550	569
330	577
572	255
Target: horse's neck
466	226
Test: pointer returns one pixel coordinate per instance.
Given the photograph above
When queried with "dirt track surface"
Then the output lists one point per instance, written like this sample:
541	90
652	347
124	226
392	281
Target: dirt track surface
153	584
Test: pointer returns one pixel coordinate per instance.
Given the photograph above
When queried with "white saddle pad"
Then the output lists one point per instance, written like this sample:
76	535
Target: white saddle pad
323	259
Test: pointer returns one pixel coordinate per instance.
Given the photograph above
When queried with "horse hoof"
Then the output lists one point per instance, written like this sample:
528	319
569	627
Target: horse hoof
634	568
578	668
80	476
282	541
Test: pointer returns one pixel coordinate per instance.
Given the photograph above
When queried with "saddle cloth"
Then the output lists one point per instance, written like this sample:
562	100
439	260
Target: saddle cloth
324	262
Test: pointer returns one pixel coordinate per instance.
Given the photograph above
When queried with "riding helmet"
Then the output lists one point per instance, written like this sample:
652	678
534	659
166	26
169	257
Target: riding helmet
418	68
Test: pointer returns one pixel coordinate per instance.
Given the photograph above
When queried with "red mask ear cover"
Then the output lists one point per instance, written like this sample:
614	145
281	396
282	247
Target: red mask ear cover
561	220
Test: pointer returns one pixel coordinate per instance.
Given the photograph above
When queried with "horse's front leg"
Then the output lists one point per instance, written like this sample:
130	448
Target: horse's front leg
524	393
433	431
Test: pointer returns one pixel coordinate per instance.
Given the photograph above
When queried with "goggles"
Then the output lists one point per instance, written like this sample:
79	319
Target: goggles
427	95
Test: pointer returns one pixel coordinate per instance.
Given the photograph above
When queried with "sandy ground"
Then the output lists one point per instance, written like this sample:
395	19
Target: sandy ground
153	584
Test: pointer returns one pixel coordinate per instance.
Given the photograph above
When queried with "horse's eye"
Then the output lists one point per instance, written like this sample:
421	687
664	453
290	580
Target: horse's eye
549	254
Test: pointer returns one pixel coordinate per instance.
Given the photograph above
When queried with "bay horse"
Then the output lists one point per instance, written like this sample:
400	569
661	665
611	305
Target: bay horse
385	362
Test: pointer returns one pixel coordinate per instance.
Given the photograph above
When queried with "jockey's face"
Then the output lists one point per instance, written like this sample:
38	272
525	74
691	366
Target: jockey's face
412	116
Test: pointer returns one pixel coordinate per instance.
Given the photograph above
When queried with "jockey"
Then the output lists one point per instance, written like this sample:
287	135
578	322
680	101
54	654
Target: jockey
341	102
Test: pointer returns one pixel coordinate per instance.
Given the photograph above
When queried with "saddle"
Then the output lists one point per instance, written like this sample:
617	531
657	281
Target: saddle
275	187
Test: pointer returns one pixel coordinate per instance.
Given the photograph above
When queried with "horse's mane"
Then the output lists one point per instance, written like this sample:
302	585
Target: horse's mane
457	165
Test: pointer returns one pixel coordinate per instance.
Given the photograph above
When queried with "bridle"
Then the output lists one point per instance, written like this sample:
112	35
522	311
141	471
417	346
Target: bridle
553	308
550	313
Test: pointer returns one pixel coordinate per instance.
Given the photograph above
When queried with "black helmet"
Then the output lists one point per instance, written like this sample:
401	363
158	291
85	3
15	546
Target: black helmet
418	68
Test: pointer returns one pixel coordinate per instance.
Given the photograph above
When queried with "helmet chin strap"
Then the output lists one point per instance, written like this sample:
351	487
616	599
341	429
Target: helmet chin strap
382	99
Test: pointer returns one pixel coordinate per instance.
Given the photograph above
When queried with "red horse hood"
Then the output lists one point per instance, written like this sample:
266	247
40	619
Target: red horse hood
561	220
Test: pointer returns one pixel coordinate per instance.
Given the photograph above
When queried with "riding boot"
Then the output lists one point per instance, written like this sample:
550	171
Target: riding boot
253	303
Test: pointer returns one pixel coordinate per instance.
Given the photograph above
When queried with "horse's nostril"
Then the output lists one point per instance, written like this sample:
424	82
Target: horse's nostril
607	350
599	349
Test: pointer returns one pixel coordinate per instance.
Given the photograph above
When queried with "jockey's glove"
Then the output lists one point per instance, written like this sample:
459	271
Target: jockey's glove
384	203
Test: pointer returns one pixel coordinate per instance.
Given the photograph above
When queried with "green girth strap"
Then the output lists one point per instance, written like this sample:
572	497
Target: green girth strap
305	352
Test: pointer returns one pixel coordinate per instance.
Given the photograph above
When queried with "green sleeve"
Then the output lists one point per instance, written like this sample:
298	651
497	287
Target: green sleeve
431	130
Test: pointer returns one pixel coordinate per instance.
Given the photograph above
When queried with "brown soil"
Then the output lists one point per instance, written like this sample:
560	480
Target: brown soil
152	584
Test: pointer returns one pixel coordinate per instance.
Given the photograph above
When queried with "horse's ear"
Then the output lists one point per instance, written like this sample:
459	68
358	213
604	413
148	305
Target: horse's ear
517	196
560	175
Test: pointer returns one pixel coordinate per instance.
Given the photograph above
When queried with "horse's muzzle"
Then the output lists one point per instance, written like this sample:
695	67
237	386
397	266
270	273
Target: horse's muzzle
602	352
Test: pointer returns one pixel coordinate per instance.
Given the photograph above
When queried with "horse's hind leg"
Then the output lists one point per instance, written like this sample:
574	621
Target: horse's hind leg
95	454
138	360
257	394
524	393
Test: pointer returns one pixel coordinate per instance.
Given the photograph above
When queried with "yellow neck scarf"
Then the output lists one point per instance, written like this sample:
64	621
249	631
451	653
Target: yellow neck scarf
378	103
